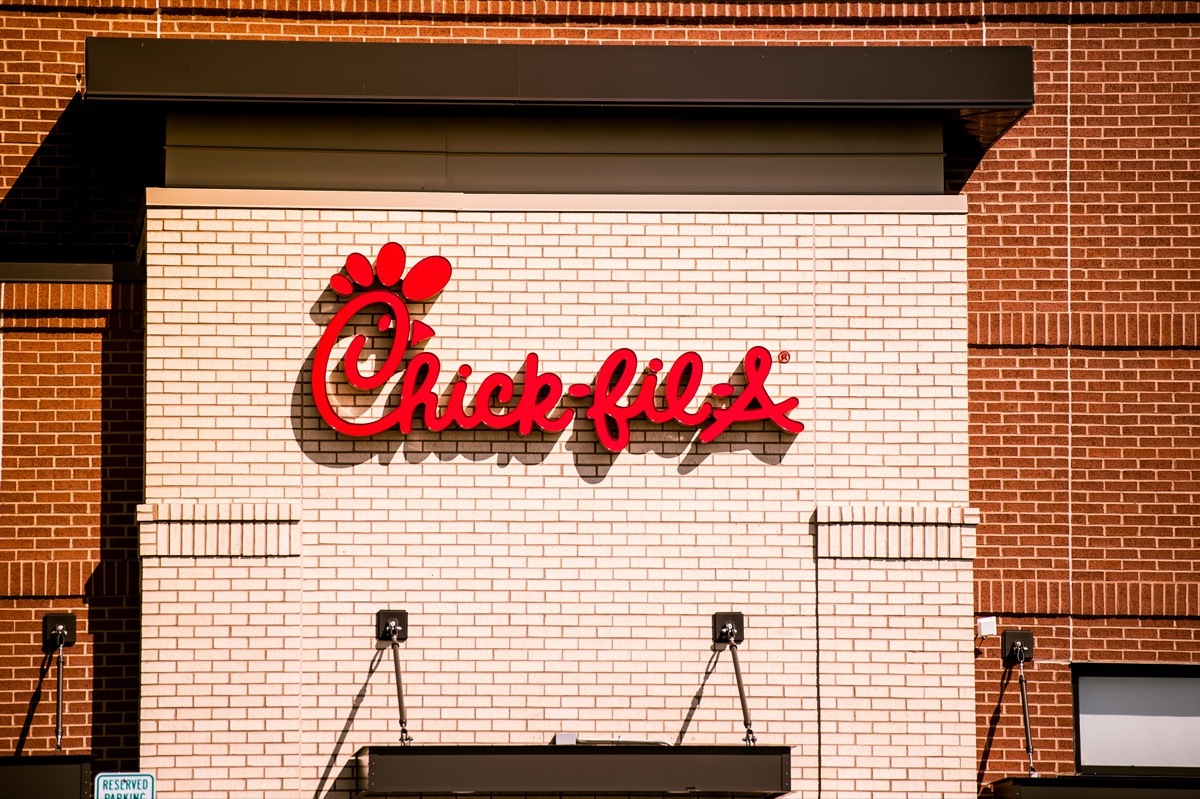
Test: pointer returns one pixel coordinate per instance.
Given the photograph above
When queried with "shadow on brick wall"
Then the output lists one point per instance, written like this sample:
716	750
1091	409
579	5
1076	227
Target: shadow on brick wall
35	699
113	592
81	197
345	781
989	740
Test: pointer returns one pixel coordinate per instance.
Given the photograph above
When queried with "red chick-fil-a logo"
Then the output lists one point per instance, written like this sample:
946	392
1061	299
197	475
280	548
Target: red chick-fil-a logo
498	403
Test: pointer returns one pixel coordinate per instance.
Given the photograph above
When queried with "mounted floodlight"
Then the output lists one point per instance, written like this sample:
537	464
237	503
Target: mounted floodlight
1016	646
730	629
58	632
392	626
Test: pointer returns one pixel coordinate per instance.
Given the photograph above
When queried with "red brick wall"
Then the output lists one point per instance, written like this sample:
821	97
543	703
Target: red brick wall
1084	304
69	483
1084	301
27	678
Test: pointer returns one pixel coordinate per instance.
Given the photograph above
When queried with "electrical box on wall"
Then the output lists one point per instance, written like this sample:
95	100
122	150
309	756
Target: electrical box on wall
986	626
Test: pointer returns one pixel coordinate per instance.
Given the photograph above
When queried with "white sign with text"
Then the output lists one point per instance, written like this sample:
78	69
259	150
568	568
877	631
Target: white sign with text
124	786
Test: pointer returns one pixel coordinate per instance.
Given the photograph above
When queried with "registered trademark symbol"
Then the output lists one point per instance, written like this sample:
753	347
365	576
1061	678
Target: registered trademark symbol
785	356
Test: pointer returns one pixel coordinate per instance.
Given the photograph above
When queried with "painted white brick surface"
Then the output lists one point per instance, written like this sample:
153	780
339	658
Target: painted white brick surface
551	585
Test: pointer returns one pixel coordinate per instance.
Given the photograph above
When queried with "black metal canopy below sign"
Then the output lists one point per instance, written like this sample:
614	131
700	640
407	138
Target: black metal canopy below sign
1071	786
763	772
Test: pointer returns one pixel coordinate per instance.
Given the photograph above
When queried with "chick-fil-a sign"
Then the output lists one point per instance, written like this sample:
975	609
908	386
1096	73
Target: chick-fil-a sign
498	402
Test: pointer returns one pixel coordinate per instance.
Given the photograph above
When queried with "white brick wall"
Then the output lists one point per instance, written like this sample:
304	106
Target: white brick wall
553	586
222	676
897	678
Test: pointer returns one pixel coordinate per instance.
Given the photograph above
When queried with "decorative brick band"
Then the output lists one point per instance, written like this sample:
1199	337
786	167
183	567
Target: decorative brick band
813	13
56	296
111	577
892	532
71	306
1136	598
1017	597
44	578
219	530
1022	597
1058	329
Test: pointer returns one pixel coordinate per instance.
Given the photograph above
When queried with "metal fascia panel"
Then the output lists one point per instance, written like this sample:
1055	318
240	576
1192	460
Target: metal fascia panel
637	75
762	771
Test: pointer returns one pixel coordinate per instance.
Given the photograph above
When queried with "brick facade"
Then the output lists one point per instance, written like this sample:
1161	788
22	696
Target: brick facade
612	563
1082	305
71	478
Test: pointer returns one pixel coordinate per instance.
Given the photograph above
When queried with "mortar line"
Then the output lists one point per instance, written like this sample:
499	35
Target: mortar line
1070	385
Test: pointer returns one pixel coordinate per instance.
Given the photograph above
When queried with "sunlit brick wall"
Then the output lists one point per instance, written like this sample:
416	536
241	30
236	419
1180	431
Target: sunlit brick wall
552	585
70	478
1078	236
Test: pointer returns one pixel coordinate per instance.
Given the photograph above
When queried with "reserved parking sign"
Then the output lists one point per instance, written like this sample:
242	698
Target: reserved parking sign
124	786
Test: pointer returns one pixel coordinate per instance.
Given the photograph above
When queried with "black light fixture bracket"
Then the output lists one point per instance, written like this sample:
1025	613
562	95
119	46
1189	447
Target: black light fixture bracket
1016	645
392	626
388	622
58	629
728	628
1016	648
58	632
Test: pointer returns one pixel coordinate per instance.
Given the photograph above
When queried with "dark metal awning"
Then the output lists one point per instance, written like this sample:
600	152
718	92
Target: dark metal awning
761	772
948	78
47	776
1091	787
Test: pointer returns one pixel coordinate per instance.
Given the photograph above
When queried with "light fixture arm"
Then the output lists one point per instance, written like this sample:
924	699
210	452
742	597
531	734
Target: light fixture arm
1016	646
61	634
394	632
729	629
391	627
58	633
1019	655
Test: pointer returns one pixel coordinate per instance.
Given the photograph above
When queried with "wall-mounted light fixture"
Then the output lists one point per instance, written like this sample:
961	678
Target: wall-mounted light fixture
392	626
730	629
58	632
1016	646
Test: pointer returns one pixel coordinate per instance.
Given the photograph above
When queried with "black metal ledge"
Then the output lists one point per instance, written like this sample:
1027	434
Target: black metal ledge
759	772
1084	787
47	776
950	78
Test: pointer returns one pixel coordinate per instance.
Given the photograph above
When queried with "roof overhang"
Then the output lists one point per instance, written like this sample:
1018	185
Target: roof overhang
976	92
954	79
